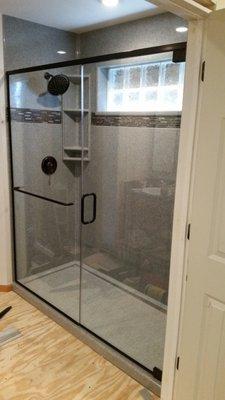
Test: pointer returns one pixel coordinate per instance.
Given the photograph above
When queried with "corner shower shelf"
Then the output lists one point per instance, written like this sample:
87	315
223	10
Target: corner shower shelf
76	79
75	159
76	111
75	148
72	120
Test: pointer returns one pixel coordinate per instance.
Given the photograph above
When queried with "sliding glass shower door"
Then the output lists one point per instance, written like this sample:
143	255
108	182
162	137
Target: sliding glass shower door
94	157
45	130
128	199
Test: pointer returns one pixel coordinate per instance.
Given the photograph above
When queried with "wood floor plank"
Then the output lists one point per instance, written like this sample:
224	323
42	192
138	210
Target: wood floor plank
48	363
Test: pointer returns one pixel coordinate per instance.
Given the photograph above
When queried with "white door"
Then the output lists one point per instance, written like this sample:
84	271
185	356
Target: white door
201	373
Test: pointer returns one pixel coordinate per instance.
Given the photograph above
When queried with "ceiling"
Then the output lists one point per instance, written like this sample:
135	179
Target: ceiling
76	15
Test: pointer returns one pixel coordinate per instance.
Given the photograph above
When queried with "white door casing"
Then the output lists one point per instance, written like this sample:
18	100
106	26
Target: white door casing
178	249
201	374
5	217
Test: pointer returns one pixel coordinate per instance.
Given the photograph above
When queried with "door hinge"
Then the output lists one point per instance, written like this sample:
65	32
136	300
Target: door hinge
203	71
188	231
178	363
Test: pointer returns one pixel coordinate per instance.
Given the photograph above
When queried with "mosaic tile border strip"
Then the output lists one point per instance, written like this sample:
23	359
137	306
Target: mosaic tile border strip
36	116
138	121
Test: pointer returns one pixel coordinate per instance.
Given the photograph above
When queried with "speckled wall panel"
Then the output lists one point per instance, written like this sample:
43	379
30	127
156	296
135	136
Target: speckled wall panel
145	32
46	233
134	225
28	44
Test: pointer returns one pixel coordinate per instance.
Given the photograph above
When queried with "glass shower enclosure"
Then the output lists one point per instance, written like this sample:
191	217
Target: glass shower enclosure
94	148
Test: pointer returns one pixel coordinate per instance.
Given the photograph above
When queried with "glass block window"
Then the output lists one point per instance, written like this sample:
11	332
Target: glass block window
156	86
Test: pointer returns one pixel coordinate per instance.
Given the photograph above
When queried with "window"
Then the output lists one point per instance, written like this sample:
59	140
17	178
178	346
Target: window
149	87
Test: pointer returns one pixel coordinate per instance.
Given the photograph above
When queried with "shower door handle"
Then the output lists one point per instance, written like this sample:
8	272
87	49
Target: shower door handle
93	195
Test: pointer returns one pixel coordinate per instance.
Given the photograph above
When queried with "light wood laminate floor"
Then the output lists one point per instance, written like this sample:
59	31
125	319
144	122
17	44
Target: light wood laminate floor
47	362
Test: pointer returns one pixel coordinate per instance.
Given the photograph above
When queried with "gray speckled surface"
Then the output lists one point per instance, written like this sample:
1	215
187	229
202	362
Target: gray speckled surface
133	227
125	321
146	32
28	44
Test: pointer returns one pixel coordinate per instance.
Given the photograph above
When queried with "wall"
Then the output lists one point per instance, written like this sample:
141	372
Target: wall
27	44
146	32
220	4
5	243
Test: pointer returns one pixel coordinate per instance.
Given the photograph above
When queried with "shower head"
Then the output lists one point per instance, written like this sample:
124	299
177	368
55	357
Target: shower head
58	84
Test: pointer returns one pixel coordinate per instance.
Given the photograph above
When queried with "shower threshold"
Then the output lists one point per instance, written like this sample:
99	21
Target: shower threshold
104	348
120	310
132	291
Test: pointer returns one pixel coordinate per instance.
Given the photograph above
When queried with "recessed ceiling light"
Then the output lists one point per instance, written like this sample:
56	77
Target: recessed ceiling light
61	52
182	29
110	3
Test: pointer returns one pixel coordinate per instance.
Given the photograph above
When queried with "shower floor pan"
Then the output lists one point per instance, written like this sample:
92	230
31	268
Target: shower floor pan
124	317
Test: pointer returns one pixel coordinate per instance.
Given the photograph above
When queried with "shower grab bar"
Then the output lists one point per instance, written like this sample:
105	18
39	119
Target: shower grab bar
83	208
17	189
